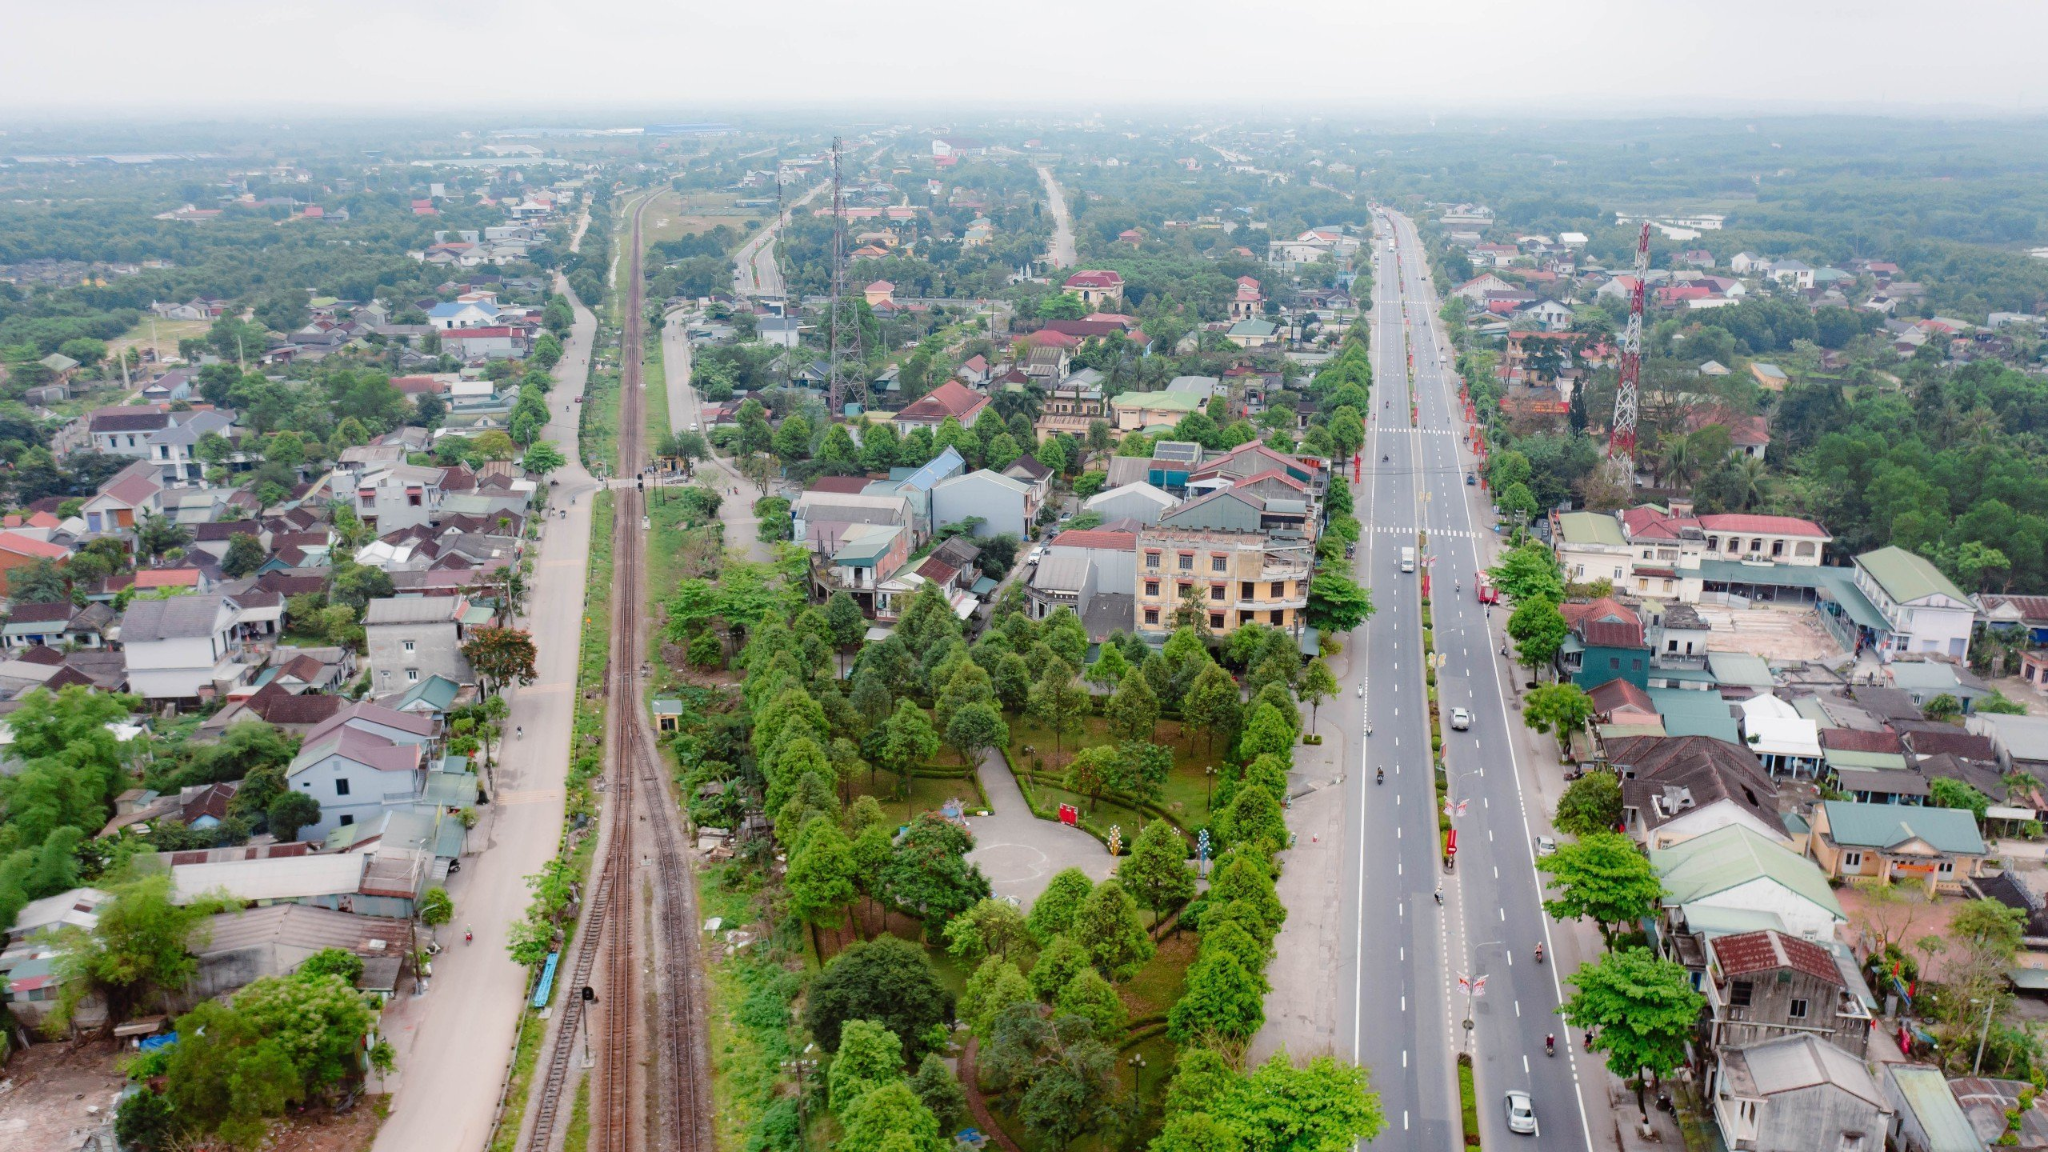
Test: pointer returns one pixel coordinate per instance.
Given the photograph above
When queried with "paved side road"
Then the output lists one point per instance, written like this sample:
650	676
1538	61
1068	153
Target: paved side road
454	1043
1019	852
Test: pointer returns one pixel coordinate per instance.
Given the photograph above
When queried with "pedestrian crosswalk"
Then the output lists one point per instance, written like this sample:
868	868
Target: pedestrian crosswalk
1400	530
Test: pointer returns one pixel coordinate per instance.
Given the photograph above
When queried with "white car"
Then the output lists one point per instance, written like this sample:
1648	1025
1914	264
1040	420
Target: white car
1033	556
1545	846
1460	719
1521	1114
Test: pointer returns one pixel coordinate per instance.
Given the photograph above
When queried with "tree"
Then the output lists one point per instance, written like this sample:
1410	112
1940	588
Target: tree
1560	708
542	457
1590	804
1601	877
158	534
1255	819
1057	702
1336	603
928	872
1527	573
1092	772
1318	684
1212	704
1642	1011
995	985
139	946
228	1076
1267	733
888	1119
1156	872
244	556
1056	966
821	876
908	742
1949	793
1224	1003
940	1091
500	656
844	620
1109	668
869	1056
291	811
975	729
1092	998
886	980
1133	710
40	581
336	962
1538	629
1106	926
1052	914
436	908
990	928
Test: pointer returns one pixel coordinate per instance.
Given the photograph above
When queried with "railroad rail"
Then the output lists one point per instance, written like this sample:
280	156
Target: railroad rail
644	826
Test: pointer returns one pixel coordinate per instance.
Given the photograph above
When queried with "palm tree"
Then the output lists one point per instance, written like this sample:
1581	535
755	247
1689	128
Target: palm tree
1752	483
1027	400
1677	462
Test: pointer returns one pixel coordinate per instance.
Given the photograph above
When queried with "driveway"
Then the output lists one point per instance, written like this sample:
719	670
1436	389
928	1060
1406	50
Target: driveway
1017	851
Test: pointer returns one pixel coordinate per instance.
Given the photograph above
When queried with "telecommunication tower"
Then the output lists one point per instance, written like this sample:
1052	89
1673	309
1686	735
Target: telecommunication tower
1621	442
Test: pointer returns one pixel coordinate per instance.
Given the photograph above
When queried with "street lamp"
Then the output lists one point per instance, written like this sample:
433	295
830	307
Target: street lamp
1475	986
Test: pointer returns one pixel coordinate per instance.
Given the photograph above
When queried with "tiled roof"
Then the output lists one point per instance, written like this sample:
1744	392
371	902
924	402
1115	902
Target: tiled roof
1619	693
1096	538
1708	770
1605	623
1907	577
949	399
1751	522
1857	740
1962	745
1769	951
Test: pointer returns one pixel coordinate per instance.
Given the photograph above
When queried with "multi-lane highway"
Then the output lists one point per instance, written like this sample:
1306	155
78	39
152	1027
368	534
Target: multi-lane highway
1400	993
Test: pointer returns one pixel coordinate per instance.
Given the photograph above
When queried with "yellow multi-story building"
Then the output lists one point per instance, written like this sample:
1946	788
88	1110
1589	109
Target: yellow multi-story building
1239	577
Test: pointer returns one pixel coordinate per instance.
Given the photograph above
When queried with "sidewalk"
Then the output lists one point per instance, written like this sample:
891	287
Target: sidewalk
453	1044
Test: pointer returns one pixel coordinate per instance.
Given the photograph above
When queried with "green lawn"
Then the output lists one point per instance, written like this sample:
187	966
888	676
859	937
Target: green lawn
1186	793
927	793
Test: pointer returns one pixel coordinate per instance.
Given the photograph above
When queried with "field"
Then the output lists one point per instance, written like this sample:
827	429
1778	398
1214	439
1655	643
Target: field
1185	795
164	339
673	214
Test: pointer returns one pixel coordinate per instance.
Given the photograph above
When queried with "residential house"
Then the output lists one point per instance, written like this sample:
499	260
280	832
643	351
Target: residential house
950	399
2019	742
1765	986
125	431
384	885
1929	1114
1798	1094
1605	643
413	637
1676	788
55	625
858	559
1736	869
1238	577
1001	503
355	774
1784	740
1987	1106
1152	411
19	550
178	649
398	496
1037	479
1099	289
1923	610
124	499
250	944
1938	846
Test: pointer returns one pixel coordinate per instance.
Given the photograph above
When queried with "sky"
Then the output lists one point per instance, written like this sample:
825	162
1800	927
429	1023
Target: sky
259	58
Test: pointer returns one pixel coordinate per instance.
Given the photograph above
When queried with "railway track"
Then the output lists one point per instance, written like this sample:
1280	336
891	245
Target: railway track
645	827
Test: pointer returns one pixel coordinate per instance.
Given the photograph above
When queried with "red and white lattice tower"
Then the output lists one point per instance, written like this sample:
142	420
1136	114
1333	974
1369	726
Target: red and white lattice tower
1621	443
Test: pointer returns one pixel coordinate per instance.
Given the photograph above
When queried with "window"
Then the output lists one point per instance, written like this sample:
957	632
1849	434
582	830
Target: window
1182	589
1945	867
1852	861
1777	548
1216	592
1278	616
1187	561
1151	615
1152	560
1279	589
1152	587
1614	663
1798	1009
1756	544
1738	994
408	645
341	787
346	820
412	675
1219	564
1216	621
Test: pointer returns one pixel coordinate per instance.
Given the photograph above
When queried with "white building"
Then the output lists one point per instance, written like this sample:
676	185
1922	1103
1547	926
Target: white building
1923	610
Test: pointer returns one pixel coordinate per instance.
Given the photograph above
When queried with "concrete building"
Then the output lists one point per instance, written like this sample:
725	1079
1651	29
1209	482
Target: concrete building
1923	610
1738	870
1937	847
1798	1094
411	638
1002	504
177	649
1764	986
1138	501
1237	577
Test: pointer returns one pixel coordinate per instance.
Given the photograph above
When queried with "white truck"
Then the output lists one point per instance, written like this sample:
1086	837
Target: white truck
1407	559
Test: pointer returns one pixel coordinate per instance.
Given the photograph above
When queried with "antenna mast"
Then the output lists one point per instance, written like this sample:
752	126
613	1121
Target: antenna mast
835	402
1621	442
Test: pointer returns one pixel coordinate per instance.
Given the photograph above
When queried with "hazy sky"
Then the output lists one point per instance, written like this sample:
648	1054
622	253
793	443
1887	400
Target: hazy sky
262	57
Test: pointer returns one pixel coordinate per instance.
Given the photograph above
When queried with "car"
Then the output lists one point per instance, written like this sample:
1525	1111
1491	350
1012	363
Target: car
1033	556
1460	719
1521	1114
1470	479
1546	846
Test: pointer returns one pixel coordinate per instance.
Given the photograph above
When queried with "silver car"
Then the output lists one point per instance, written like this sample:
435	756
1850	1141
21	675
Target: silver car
1521	1114
1460	719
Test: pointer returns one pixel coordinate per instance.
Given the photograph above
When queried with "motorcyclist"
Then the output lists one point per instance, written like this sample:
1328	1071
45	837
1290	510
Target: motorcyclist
1539	953
1380	777
1550	1045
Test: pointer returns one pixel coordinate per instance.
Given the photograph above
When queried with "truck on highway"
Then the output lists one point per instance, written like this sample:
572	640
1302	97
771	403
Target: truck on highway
1407	559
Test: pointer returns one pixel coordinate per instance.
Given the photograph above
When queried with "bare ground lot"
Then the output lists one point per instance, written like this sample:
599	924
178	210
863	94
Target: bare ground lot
1769	632
55	1095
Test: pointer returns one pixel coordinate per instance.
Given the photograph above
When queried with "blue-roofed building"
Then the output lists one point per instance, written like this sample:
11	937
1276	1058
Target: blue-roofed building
917	485
463	314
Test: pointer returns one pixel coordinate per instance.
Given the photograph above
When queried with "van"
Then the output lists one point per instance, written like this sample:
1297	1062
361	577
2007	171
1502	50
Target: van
1407	559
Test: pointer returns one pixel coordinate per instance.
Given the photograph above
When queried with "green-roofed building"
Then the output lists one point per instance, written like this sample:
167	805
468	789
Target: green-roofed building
1939	847
1738	867
1923	611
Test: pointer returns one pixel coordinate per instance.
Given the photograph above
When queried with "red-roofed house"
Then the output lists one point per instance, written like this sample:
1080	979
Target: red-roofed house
19	551
949	399
1750	435
1095	286
1768	985
1747	536
880	292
